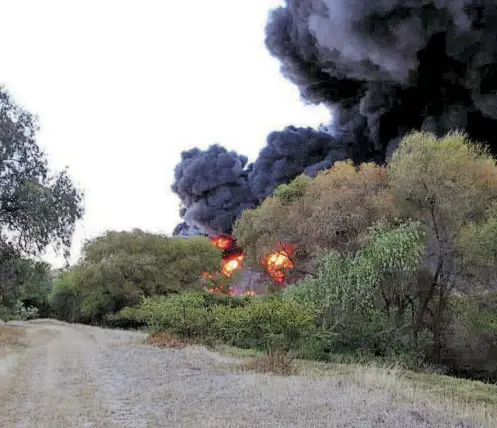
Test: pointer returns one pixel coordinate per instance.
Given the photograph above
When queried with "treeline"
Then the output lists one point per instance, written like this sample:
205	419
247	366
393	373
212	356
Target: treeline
403	256
400	259
396	263
118	269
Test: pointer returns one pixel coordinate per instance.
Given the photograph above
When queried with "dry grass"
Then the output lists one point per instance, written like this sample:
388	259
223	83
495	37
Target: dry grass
89	381
465	398
165	340
275	362
11	337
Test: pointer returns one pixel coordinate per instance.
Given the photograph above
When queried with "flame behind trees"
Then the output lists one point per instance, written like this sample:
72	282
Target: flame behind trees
279	262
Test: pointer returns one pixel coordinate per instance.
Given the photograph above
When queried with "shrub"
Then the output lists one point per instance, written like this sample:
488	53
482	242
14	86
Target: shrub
327	212
470	341
363	299
184	315
265	324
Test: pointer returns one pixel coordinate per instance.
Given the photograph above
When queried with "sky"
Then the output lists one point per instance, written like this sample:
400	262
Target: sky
122	87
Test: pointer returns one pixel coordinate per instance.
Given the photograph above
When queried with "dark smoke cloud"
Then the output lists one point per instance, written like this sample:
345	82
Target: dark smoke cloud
215	185
389	66
383	67
213	188
291	152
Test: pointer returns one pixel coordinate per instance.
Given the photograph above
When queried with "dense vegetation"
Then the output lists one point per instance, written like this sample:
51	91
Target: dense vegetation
119	268
37	209
401	262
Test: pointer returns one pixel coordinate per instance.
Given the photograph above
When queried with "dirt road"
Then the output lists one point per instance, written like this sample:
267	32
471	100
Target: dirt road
79	376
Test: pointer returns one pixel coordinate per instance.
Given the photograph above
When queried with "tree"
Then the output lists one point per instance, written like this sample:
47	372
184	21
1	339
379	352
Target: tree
366	298
117	269
317	215
36	208
447	184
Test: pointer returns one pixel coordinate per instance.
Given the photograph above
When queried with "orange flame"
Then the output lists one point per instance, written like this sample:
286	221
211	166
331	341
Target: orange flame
231	263
222	243
278	263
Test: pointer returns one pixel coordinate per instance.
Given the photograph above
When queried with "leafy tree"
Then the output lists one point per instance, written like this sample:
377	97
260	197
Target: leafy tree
318	215
65	299
36	208
118	268
447	184
366	298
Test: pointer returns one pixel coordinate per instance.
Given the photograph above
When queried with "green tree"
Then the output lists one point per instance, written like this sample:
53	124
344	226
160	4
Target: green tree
447	184
117	269
317	215
36	208
366	298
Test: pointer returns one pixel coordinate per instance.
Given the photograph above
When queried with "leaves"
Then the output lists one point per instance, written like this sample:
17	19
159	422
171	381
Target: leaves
36	208
118	268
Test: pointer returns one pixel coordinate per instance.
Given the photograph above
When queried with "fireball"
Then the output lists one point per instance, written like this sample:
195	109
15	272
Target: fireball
278	263
232	263
222	243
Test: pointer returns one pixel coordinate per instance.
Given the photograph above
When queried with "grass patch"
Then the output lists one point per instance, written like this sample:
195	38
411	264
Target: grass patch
240	353
467	398
472	399
274	362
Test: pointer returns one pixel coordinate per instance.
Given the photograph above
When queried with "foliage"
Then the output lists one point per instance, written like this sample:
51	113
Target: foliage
470	340
291	192
448	184
185	315
320	214
119	268
362	297
23	280
264	324
65	300
19	312
37	209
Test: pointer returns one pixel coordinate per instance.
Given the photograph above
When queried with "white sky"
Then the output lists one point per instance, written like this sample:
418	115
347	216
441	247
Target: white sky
122	87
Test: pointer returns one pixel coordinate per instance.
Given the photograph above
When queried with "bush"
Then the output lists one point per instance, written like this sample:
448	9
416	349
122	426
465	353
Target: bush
362	299
19	312
470	341
184	315
65	300
265	324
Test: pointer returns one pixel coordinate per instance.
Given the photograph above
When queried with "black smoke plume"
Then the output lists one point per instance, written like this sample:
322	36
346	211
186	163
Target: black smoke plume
386	67
213	188
383	67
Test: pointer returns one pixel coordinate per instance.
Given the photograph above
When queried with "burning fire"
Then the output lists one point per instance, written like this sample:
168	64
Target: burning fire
222	243
231	263
278	263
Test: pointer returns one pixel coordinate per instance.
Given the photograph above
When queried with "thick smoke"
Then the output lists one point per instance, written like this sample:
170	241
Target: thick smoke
215	185
389	66
290	153
213	188
383	67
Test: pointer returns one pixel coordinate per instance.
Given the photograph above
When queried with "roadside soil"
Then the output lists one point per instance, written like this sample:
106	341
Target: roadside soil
79	376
